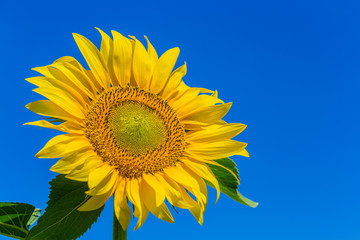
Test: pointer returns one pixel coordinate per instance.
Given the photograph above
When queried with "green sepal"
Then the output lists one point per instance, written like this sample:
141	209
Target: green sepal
62	220
53	119
16	219
227	181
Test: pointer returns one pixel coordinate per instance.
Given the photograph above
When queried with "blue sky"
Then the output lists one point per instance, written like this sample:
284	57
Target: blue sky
291	69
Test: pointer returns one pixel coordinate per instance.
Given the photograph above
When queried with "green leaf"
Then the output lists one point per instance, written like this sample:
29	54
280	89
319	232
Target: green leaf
62	220
227	181
16	218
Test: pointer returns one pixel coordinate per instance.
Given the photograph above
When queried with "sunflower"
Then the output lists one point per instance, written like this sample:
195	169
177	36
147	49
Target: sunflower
133	128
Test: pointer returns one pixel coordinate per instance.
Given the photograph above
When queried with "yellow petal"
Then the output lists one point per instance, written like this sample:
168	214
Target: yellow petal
67	164
215	132
81	173
191	181
68	126
91	76
179	175
70	60
94	59
195	208
106	45
163	68
63	145
202	194
178	197
212	162
122	58
85	80
156	189
96	202
173	192
244	153
79	80
203	171
174	81
152	53
58	80
63	100
179	91
105	185
98	174
61	127
141	65
40	81
74	126
49	72
181	100
216	150
107	51
54	79
197	104
215	94
162	212
121	206
153	197
204	90
133	193
182	87
48	108
207	115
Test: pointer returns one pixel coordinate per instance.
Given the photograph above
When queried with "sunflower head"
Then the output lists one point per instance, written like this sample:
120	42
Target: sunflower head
133	128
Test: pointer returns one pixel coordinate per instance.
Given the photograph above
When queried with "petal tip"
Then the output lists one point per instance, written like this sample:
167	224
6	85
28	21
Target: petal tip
177	50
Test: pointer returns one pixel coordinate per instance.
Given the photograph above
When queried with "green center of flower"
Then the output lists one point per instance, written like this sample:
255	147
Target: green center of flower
137	128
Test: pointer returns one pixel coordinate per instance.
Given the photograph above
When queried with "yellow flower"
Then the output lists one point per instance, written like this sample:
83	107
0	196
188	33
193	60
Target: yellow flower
133	128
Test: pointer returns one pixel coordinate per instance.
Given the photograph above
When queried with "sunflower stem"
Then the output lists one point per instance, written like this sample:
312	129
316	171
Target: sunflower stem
118	232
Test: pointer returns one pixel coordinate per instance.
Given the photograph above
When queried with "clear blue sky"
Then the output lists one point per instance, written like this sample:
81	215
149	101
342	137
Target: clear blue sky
291	69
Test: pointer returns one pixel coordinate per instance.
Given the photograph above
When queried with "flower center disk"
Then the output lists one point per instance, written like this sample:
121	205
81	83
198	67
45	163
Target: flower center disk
135	131
137	128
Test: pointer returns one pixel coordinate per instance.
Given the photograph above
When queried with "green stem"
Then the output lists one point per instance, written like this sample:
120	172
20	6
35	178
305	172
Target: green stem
118	232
